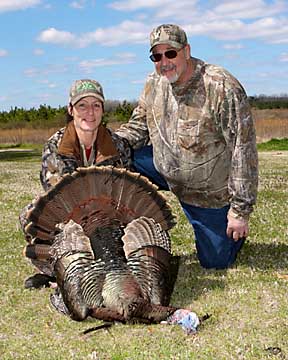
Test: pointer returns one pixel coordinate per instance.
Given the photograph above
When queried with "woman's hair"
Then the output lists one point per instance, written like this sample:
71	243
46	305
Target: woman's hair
68	117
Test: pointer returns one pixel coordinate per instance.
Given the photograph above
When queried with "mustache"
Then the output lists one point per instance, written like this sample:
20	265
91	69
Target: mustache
169	67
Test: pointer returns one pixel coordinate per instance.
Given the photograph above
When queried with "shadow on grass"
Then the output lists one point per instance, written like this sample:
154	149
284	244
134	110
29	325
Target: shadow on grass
264	256
16	155
191	280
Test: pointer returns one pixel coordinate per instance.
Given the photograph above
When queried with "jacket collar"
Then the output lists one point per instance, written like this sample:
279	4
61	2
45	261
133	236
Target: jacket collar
103	146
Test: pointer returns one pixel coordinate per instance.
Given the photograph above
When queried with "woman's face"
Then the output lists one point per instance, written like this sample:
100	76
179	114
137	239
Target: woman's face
87	114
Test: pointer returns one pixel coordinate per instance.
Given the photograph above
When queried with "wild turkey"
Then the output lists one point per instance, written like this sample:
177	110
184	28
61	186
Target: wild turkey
103	231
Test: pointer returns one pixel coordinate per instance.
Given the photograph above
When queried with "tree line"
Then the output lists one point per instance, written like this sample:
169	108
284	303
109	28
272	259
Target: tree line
115	111
46	116
269	102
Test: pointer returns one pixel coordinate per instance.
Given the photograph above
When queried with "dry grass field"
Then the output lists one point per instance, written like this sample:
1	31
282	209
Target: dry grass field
25	136
269	124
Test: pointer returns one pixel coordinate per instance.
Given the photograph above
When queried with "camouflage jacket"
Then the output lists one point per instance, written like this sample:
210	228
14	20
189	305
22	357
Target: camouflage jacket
203	137
63	154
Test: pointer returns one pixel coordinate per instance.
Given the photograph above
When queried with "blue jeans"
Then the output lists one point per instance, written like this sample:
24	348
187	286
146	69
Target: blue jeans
214	248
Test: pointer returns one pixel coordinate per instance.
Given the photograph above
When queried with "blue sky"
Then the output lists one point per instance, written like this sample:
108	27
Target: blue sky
47	44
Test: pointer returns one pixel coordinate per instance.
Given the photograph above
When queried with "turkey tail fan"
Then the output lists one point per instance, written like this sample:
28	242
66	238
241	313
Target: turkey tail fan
71	239
147	248
150	267
132	195
95	197
143	232
37	251
74	266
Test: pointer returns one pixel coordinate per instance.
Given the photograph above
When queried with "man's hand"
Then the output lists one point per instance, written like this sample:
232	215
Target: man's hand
237	228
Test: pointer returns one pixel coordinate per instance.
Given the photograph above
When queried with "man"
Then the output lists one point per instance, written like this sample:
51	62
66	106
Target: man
197	121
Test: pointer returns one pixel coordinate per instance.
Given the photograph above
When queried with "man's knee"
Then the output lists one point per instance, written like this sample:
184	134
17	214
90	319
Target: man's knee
216	262
215	259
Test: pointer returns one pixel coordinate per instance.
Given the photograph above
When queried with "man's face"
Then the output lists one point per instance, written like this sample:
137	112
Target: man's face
173	68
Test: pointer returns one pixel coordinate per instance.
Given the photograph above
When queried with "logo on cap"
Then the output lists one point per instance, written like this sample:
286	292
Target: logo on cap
83	88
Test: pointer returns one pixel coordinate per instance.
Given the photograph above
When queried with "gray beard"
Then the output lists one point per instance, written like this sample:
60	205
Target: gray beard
172	79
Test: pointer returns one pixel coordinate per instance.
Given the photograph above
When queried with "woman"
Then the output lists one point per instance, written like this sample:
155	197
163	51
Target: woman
83	142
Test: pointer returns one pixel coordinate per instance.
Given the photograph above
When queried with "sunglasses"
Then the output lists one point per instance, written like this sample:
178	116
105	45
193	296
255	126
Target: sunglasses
169	54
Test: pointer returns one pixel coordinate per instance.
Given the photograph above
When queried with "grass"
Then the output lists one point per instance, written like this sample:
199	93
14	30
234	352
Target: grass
21	147
21	152
274	144
248	302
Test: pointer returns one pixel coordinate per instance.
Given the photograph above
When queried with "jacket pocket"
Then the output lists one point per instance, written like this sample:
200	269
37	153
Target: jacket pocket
188	132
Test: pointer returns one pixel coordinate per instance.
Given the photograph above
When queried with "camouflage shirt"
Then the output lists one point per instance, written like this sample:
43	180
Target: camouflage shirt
55	165
203	137
110	150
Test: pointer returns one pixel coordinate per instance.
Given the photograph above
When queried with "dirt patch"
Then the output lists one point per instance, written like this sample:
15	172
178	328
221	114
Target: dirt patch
16	150
273	154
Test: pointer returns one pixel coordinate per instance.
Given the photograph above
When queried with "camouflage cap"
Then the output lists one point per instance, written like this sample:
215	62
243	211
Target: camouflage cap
83	88
168	34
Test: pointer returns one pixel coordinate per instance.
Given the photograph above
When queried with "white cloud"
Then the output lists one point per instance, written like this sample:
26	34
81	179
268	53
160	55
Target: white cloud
31	72
44	98
70	59
3	52
13	5
78	4
38	52
126	32
164	8
233	46
49	69
48	83
247	9
193	9
137	82
59	37
180	11
88	66
268	29
284	57
131	5
228	21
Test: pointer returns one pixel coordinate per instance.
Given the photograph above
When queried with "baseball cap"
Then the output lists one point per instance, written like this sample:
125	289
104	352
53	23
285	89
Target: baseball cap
168	34
83	88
